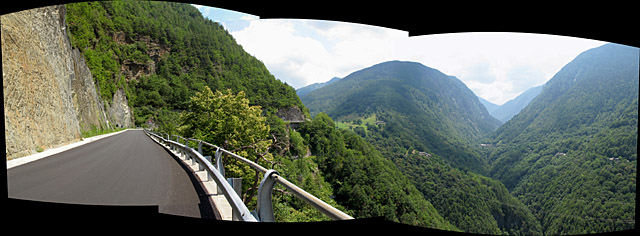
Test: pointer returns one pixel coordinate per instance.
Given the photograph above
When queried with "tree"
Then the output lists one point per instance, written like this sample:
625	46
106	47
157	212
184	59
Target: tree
228	121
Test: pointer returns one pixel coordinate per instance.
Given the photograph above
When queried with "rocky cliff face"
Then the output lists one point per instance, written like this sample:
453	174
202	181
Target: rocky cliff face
49	93
291	114
119	110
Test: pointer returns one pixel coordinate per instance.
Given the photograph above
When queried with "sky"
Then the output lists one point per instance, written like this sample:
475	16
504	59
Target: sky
495	66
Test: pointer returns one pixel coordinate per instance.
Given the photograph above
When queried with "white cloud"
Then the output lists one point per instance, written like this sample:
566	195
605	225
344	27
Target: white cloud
496	66
199	7
302	52
229	19
362	47
291	58
248	17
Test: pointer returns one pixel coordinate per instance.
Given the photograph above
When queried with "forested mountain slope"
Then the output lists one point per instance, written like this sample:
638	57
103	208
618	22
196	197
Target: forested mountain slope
472	202
422	108
571	154
364	181
164	52
426	122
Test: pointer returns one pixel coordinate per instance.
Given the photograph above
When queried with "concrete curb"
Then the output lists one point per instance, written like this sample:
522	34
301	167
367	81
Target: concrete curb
34	157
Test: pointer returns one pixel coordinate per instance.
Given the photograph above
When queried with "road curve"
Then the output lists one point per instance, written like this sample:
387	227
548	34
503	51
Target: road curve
127	169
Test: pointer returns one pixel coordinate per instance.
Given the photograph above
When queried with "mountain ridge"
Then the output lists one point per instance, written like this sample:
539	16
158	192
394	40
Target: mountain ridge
428	124
512	107
576	140
424	79
306	89
488	105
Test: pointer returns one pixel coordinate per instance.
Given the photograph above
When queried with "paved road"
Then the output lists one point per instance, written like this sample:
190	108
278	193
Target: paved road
124	169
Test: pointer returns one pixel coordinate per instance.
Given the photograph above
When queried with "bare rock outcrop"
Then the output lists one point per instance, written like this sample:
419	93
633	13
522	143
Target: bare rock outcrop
291	114
119	110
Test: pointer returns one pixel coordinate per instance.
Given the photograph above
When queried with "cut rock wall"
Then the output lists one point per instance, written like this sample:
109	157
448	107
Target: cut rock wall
49	93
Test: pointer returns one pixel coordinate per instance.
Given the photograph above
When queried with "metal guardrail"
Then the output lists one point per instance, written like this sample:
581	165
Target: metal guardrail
264	208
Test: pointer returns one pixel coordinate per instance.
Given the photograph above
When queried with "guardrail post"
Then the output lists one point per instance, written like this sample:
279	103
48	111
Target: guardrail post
236	183
200	147
219	165
208	158
186	153
264	207
191	158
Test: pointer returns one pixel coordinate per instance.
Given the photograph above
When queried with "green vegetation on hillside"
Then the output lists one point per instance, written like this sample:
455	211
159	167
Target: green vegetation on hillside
364	182
422	108
418	119
177	49
472	202
571	155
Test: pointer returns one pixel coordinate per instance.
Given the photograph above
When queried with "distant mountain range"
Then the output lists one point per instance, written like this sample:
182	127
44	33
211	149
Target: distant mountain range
570	155
509	109
502	112
402	93
562	162
306	89
427	123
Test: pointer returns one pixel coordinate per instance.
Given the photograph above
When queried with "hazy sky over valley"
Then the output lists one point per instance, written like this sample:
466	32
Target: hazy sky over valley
495	66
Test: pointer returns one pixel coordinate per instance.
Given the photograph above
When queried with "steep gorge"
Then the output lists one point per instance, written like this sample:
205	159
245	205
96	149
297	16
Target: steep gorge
50	97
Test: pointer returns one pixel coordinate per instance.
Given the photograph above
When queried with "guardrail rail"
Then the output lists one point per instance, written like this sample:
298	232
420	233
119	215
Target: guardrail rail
240	212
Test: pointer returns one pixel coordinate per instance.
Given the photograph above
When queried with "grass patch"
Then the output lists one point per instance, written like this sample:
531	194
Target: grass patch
358	124
95	131
351	122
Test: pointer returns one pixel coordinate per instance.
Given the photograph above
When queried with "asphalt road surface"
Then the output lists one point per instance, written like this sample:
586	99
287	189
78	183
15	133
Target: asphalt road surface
127	169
